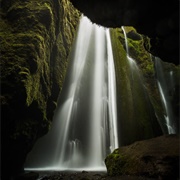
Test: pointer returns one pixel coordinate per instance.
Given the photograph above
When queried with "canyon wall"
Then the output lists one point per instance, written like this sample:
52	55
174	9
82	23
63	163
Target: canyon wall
36	38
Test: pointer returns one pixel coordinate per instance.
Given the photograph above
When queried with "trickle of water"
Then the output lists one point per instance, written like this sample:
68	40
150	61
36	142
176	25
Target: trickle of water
126	42
132	62
163	89
84	129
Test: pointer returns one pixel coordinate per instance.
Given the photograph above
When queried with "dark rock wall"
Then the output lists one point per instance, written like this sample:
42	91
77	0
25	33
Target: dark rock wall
157	19
36	38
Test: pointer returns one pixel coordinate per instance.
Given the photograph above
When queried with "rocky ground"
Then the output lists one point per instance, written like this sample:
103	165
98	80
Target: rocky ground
84	175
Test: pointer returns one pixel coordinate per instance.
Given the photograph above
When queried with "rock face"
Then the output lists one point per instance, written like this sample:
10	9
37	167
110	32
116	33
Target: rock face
157	19
136	114
157	157
141	113
36	38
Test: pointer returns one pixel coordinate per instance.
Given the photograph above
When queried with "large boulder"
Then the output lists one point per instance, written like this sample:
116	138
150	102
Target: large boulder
156	157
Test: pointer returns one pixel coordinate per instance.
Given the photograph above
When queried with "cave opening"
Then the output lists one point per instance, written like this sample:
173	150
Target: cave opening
36	36
158	20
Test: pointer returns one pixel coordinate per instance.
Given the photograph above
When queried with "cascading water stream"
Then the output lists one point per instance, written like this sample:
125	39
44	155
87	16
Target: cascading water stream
163	89
130	59
135	73
112	94
84	128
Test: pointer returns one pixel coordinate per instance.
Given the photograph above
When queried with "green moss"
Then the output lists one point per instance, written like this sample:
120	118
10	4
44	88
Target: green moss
135	112
35	43
35	39
149	68
117	164
147	43
138	51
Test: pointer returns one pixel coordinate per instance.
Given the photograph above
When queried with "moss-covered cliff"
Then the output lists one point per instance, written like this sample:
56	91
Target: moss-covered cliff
136	115
36	38
141	113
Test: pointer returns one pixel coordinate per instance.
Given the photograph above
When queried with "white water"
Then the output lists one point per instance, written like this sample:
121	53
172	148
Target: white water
130	59
163	89
84	129
132	63
135	72
112	95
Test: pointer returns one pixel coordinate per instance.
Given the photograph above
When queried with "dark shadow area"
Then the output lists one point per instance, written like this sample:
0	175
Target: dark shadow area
157	19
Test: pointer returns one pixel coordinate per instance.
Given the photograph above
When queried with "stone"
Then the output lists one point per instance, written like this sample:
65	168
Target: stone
157	158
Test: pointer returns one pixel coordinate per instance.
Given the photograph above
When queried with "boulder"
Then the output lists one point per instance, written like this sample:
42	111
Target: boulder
157	157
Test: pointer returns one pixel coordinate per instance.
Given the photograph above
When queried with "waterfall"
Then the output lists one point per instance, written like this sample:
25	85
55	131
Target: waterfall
112	94
84	128
136	76
165	85
135	73
131	61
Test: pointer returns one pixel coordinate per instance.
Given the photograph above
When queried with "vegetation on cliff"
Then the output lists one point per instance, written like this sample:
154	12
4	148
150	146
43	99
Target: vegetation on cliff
141	112
36	38
136	114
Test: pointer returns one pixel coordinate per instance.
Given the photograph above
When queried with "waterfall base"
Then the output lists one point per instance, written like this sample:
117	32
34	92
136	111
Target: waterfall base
81	175
90	169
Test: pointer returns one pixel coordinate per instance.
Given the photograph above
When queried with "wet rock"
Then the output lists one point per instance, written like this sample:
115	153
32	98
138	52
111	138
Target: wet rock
27	176
156	157
84	172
